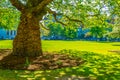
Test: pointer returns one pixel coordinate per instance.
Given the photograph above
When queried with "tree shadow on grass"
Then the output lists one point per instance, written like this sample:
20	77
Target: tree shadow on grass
116	45
104	41
49	67
13	62
48	61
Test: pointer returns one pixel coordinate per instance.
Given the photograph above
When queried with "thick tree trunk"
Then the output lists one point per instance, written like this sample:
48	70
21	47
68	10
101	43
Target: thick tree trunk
27	41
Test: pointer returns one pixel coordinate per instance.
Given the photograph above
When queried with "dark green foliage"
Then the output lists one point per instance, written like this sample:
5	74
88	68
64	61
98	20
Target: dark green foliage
57	31
9	15
97	31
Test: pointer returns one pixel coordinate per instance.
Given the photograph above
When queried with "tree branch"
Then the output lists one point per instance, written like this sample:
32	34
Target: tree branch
41	25
92	15
75	20
55	17
18	4
41	5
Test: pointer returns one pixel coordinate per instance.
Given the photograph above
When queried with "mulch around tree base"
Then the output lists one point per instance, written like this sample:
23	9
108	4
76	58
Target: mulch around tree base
47	61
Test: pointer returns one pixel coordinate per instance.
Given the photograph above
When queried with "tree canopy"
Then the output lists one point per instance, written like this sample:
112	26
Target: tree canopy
86	13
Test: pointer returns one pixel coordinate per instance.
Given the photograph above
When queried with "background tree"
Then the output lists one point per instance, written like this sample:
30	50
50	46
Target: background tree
97	32
55	31
27	42
58	31
9	15
70	33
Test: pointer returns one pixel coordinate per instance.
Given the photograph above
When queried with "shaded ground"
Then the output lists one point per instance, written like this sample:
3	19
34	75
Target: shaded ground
47	61
115	51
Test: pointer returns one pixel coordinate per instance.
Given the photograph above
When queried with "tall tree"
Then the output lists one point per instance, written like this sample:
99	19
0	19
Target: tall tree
27	42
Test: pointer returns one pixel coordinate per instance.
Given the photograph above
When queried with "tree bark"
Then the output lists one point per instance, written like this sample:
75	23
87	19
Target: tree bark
27	41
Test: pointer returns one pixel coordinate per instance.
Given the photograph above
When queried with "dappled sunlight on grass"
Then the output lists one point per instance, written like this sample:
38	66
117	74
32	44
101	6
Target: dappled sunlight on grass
97	66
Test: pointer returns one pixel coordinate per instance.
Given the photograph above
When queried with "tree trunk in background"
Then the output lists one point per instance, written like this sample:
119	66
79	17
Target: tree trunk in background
27	41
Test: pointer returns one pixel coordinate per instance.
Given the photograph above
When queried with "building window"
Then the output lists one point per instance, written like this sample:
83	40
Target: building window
7	32
2	37
14	32
11	32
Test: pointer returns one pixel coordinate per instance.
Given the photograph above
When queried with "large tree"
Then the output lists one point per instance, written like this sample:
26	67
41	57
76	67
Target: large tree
28	42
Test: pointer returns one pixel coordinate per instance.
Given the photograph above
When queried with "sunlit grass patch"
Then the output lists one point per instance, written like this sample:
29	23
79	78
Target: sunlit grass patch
57	45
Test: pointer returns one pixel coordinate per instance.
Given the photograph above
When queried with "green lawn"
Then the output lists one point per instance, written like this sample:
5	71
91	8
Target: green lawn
98	66
91	46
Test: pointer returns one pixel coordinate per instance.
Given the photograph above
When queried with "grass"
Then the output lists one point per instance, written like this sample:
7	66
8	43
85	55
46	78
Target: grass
98	66
90	46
